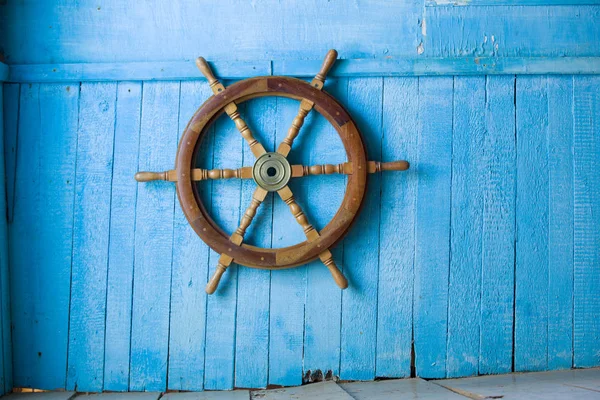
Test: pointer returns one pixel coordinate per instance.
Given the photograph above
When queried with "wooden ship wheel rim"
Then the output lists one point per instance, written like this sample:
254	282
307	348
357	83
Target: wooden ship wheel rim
204	225
231	247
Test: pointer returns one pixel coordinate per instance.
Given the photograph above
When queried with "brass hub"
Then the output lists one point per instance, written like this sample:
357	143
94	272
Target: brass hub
272	171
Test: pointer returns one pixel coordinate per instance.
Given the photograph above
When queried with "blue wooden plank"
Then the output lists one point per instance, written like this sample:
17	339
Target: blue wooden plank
468	191
405	66
252	319
121	240
512	31
90	236
435	3
190	269
361	245
586	234
11	121
153	239
4	288
24	243
396	252
531	276
58	116
221	306
498	237
288	286
432	241
44	229
267	33
134	71
322	145
9	110
435	66
560	222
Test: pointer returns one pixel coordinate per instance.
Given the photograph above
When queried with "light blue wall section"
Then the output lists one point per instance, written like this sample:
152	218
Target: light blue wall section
482	258
432	258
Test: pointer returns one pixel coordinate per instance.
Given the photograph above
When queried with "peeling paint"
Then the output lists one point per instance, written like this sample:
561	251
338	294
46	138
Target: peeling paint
420	48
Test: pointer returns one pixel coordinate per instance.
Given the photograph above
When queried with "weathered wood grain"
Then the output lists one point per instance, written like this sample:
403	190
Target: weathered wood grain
23	244
432	240
153	240
267	33
48	211
8	128
320	143
288	287
468	191
396	251
187	319
226	209
512	31
252	316
560	222
531	271
91	214
122	237
586	230
361	255
274	333
462	64
498	236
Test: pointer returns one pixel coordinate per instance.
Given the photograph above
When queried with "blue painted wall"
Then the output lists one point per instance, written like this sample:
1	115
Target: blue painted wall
483	258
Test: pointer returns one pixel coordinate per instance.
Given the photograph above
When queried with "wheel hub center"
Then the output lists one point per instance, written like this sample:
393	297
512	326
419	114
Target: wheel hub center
271	171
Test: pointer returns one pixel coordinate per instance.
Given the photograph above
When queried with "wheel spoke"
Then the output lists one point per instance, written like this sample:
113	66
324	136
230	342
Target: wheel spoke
311	235
306	105
231	109
198	174
237	237
346	168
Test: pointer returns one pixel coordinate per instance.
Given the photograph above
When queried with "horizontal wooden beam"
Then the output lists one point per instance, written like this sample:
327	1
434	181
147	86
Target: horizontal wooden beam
3	72
435	3
134	71
445	66
186	70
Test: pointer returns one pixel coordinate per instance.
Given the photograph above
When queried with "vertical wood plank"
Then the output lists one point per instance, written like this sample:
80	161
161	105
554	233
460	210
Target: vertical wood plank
288	287
190	268
121	241
464	286
41	240
90	236
361	245
154	239
11	120
531	292
498	241
321	143
4	293
58	143
432	242
252	320
396	251
221	306
586	132
560	222
24	243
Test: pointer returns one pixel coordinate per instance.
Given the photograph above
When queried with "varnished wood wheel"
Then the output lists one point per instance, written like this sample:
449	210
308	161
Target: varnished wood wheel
271	172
